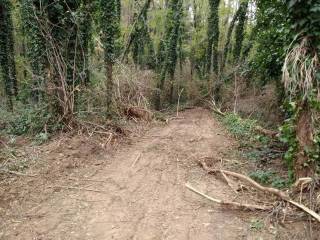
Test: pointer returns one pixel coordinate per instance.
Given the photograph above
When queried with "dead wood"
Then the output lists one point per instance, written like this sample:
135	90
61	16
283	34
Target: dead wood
266	132
302	183
230	183
244	206
17	173
276	192
80	189
218	111
139	113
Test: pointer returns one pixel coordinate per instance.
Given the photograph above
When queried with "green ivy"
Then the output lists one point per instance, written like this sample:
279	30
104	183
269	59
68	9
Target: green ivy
35	42
7	59
169	46
110	26
141	40
110	31
239	31
304	20
229	35
272	36
213	36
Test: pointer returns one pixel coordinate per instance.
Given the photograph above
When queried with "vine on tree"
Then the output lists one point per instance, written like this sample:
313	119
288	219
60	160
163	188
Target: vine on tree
7	55
168	47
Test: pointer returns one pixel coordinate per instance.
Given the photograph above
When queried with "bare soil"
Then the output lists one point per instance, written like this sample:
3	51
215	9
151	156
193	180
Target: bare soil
134	191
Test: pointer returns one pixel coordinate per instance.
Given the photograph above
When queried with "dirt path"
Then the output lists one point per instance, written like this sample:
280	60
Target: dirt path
140	194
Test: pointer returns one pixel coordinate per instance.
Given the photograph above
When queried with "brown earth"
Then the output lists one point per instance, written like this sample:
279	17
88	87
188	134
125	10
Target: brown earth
136	191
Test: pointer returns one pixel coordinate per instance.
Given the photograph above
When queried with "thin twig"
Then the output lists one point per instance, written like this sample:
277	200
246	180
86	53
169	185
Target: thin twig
81	189
136	160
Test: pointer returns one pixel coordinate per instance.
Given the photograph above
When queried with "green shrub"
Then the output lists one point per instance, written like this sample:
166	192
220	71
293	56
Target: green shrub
240	128
269	178
28	119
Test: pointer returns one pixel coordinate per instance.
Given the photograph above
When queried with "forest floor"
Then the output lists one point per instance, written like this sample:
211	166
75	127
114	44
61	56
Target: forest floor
136	190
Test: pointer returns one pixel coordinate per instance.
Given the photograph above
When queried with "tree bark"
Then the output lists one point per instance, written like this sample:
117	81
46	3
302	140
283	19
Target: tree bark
304	133
109	68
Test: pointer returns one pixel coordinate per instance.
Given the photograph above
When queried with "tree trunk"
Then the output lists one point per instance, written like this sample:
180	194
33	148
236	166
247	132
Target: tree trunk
109	68
304	133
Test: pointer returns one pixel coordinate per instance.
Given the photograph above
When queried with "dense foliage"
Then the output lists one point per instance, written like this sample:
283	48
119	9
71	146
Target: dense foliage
271	40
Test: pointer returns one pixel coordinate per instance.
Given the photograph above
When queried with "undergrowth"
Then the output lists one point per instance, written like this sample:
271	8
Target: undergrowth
257	148
269	178
238	127
28	120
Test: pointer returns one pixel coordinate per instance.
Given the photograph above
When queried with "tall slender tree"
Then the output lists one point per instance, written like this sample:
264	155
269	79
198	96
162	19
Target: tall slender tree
35	42
7	59
110	26
169	47
85	32
239	31
229	35
213	36
140	35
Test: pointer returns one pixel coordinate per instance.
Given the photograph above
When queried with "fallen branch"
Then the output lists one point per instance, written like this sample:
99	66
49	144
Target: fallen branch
87	180
228	203
253	183
17	173
81	189
230	183
218	111
256	185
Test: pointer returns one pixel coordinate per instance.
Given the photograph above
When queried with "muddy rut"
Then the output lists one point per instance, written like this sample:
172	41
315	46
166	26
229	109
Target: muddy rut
141	194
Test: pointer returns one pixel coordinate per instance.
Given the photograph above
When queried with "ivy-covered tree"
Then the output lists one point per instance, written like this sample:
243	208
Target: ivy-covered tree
36	45
7	59
272	35
140	35
229	35
110	26
168	47
57	35
139	40
84	34
213	36
301	76
239	31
